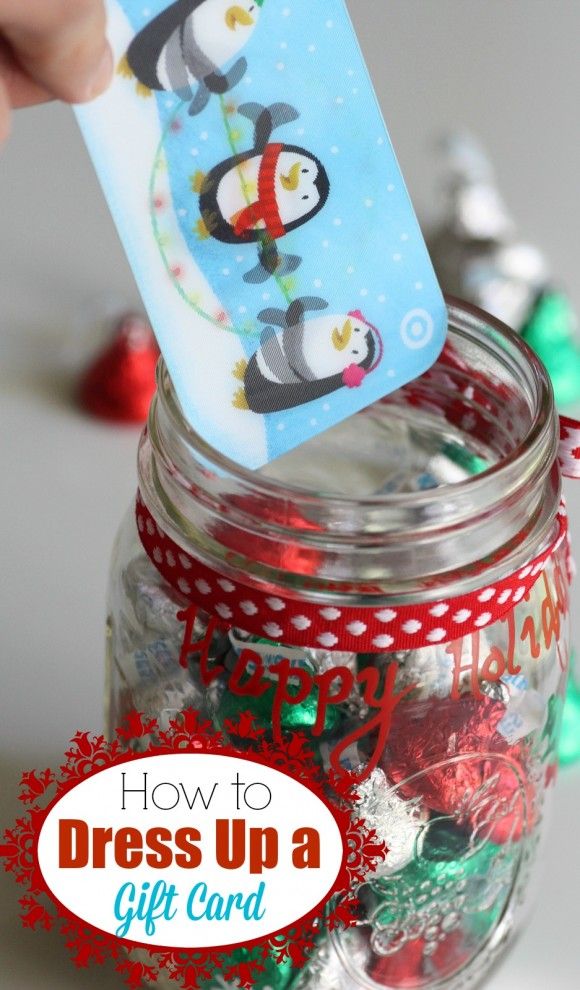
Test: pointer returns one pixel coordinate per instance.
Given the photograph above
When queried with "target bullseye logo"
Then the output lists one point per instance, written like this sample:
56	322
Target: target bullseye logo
417	329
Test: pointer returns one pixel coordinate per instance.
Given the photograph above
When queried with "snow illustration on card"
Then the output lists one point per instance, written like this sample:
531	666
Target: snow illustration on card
255	189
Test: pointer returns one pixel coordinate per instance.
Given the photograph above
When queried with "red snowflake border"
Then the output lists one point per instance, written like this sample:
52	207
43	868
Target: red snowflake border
189	732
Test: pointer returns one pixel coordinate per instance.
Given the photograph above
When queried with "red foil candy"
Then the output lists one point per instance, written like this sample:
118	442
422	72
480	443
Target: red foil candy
484	794
408	967
290	557
402	969
120	384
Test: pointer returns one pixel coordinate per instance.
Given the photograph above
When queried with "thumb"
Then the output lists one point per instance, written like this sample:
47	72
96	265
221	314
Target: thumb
60	44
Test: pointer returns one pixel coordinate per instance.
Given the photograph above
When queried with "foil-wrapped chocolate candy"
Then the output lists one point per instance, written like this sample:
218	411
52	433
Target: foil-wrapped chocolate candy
399	823
119	384
478	256
428	920
452	754
433	671
155	604
257	652
336	963
475	249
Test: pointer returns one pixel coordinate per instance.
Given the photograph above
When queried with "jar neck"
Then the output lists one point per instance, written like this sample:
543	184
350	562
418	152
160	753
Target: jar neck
484	411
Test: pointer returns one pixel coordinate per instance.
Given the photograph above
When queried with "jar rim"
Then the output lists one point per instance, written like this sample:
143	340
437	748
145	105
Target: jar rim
280	532
473	319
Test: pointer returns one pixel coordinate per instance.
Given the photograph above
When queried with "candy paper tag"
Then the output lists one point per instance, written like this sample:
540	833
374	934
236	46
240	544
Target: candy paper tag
255	189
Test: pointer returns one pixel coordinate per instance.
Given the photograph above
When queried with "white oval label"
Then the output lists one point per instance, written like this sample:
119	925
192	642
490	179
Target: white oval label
187	850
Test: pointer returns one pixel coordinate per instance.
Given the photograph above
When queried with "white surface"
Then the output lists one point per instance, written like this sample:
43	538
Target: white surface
508	70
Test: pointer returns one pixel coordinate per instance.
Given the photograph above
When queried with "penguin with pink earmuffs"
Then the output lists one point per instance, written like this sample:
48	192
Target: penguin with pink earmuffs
300	360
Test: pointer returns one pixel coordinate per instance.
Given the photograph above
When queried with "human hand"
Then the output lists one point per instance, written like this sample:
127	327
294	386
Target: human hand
51	49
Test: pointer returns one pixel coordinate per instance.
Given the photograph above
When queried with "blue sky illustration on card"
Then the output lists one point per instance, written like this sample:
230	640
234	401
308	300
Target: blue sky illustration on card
258	197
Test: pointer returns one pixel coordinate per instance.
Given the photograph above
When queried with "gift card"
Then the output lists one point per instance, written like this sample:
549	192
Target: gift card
255	189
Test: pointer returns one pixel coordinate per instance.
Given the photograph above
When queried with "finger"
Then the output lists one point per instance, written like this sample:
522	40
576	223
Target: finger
5	114
22	90
61	44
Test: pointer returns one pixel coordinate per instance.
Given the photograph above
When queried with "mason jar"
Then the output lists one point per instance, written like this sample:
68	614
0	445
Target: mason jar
432	522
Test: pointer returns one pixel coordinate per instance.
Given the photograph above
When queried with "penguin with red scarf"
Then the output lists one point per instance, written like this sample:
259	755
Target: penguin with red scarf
263	194
300	360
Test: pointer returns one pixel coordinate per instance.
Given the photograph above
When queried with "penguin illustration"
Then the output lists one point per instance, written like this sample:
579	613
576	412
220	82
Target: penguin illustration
183	49
304	360
263	194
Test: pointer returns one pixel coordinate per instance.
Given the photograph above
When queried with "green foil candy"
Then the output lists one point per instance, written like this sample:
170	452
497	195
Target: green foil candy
551	333
276	976
294	717
471	463
453	886
569	748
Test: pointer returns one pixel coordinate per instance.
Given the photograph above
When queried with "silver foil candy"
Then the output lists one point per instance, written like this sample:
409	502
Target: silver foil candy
399	823
475	250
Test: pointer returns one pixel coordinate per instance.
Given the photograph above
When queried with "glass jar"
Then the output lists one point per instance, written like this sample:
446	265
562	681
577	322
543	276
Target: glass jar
442	490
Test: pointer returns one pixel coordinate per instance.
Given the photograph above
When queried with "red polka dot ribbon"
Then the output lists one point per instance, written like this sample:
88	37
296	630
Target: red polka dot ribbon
298	621
569	454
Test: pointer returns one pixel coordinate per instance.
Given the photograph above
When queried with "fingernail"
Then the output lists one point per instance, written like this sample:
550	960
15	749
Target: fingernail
102	77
